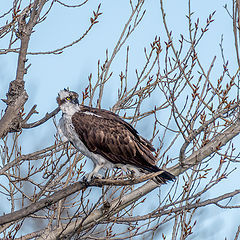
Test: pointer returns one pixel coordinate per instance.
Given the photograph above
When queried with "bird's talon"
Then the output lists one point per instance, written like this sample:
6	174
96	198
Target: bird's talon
97	176
85	180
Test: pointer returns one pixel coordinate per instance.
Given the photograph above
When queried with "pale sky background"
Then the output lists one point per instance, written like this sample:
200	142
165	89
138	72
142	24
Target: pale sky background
50	73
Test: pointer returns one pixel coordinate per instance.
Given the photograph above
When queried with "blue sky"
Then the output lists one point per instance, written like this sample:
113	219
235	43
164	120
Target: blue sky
50	73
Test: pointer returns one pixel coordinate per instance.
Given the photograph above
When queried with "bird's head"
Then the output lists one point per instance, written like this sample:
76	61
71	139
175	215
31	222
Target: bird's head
66	96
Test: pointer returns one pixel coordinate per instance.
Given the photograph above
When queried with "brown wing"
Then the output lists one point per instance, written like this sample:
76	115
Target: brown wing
110	115
113	139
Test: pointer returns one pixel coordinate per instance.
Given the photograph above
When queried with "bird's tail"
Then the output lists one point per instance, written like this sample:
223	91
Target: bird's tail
150	161
165	177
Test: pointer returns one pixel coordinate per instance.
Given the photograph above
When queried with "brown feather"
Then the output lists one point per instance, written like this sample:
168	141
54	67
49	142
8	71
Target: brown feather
106	134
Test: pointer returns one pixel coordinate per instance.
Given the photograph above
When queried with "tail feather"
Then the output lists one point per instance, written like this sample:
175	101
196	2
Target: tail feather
146	161
163	177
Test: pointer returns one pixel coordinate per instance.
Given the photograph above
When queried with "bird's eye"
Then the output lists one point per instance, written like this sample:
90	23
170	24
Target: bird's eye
68	98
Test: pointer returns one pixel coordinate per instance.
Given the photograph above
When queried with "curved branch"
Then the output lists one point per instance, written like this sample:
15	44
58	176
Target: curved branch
126	200
63	193
196	132
214	145
93	20
120	203
97	215
41	121
163	211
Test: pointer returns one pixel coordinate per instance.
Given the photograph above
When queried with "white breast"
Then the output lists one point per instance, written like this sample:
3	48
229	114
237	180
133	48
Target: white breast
67	129
69	132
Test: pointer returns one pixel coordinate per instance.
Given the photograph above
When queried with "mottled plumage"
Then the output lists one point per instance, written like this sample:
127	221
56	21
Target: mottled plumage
105	138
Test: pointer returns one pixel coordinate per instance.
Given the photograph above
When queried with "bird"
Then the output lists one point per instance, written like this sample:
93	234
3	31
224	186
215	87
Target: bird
105	138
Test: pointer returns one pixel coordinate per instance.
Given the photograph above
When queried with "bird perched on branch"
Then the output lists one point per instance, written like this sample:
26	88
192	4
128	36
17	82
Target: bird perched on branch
106	139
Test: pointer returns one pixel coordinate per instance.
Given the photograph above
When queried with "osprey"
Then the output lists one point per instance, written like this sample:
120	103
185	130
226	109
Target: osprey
105	138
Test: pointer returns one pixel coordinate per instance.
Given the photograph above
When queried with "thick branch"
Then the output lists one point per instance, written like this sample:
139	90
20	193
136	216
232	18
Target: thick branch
204	126
11	119
214	145
126	200
163	211
48	201
17	96
118	204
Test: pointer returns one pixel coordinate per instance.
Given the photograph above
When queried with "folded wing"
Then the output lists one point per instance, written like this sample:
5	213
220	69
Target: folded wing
106	134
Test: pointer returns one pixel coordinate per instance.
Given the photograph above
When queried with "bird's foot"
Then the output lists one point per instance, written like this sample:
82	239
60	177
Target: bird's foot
91	176
84	180
134	172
